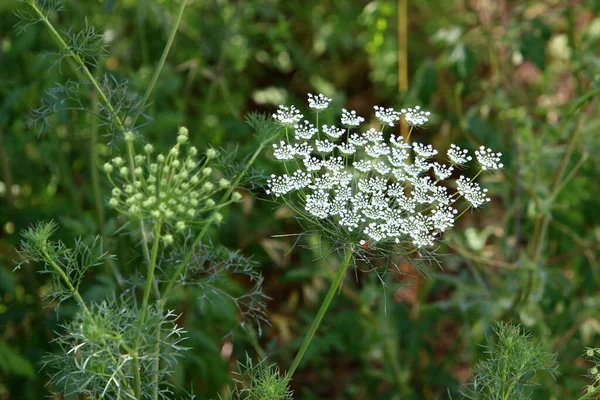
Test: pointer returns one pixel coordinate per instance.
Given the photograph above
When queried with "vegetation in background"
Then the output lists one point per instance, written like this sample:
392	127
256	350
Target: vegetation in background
519	77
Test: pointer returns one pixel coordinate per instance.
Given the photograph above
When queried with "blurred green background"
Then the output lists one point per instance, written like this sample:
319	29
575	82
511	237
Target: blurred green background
521	77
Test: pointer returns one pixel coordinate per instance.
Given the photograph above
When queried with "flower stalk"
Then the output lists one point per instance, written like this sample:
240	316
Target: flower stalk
335	285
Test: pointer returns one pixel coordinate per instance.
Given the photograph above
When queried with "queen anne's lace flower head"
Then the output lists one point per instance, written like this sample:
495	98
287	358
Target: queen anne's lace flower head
458	156
415	117
472	192
386	116
288	115
488	159
318	102
370	190
350	119
304	131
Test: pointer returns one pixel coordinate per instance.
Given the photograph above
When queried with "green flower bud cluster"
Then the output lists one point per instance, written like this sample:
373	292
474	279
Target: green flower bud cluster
593	356
174	188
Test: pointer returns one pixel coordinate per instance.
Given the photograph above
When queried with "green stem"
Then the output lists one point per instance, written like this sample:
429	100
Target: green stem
94	165
324	306
161	63
591	393
68	282
144	306
543	220
504	373
75	294
83	69
151	268
190	253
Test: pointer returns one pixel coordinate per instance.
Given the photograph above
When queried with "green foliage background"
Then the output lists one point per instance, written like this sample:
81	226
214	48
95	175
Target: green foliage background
521	77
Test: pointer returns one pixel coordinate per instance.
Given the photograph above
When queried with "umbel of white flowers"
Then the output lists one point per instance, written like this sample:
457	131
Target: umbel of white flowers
364	186
174	188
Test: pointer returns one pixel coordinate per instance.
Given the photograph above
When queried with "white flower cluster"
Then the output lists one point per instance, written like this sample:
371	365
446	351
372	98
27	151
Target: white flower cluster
173	188
319	102
415	117
488	159
370	189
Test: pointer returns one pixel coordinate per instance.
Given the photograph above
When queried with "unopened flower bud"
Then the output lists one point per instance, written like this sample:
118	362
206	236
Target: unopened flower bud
148	148
211	153
118	161
210	203
207	171
168	239
108	168
208	186
180	225
113	202
129	136
217	217
224	183
124	171
183	131
236	196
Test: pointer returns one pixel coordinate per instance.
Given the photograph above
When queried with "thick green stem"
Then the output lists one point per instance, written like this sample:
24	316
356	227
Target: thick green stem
322	310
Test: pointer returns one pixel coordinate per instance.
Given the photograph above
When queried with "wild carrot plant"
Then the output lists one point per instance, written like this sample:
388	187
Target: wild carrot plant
370	192
126	345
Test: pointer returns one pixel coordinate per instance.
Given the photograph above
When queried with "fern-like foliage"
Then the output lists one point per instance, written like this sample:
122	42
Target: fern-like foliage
260	381
212	267
97	358
28	15
511	367
87	44
66	265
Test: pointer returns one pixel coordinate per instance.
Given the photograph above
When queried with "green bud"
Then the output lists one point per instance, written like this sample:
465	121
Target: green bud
148	148
129	136
224	183
183	131
217	217
113	202
211	153
236	196
180	225
208	186
210	203
168	239
108	168
123	171
207	171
